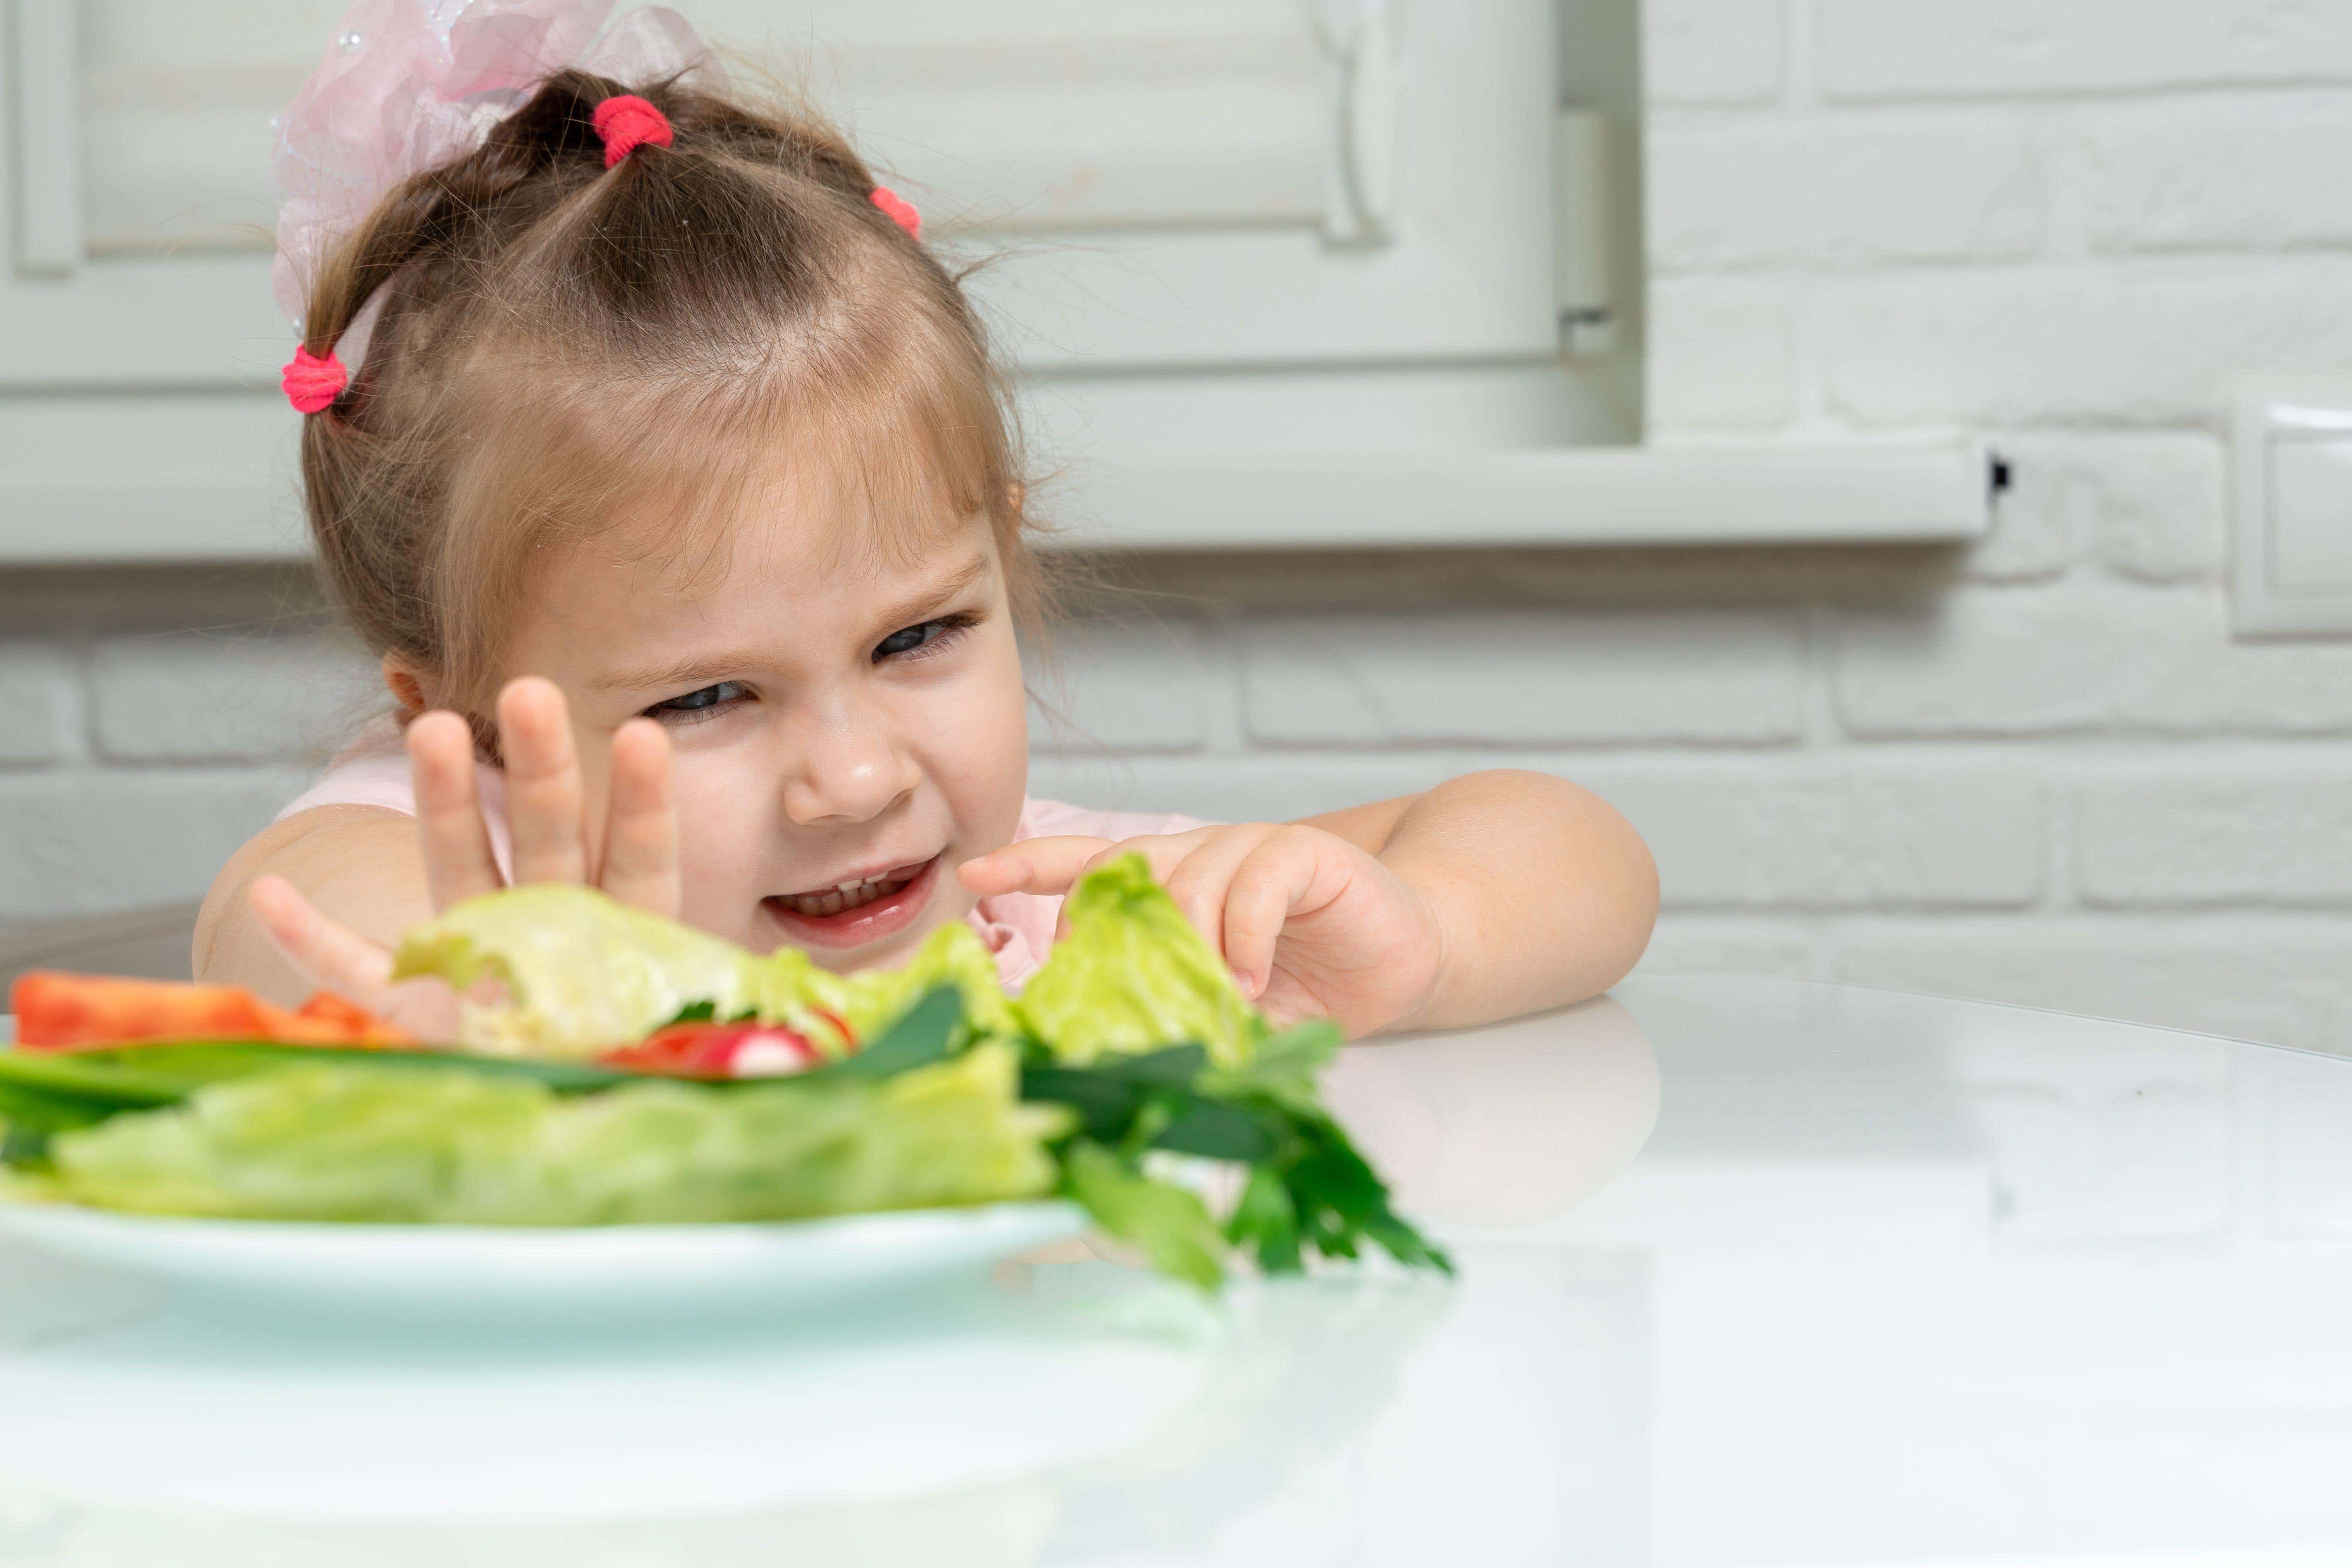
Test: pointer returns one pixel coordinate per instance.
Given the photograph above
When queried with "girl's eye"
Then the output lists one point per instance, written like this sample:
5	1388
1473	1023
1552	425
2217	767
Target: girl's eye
704	703
911	639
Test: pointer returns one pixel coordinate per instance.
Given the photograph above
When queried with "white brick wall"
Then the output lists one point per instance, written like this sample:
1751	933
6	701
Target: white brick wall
2275	835
1926	48
223	697
2040	769
2082	657
1853	191
2235	176
2144	342
1711	51
1521	678
2070	225
80	844
37	698
2147	506
137	751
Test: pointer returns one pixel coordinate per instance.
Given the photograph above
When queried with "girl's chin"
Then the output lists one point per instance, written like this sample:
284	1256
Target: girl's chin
853	938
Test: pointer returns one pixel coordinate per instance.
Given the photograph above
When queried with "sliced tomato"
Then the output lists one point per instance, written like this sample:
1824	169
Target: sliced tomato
327	1019
746	1050
63	1011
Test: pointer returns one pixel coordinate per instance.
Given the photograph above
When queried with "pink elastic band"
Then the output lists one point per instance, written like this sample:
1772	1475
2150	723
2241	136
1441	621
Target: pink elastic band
312	383
902	211
626	123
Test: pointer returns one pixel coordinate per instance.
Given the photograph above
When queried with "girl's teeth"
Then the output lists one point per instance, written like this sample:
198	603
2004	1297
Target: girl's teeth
845	896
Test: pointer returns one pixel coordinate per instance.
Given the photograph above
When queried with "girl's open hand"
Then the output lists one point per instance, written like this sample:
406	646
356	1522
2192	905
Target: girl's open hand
1310	924
629	849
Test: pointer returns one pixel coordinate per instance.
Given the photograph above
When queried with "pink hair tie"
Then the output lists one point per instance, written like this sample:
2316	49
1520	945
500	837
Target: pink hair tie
313	383
627	122
902	211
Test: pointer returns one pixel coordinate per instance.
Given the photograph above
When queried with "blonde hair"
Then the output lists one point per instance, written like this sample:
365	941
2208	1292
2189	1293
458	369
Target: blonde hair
557	339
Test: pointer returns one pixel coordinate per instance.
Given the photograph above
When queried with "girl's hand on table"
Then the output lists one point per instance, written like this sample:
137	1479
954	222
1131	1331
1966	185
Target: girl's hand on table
1310	924
633	859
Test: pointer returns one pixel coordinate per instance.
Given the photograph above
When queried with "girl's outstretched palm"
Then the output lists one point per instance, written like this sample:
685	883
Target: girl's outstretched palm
556	839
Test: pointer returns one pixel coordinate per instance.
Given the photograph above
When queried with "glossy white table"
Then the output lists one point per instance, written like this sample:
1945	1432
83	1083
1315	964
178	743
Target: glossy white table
1752	1272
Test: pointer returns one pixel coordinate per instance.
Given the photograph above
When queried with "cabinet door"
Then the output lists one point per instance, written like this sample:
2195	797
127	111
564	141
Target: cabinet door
1225	182
136	156
1229	182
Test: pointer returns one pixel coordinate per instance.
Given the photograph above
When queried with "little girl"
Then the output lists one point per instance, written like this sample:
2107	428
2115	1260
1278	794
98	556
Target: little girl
667	470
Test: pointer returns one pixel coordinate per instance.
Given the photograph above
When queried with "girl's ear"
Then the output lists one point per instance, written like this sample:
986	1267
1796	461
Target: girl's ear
406	688
1018	494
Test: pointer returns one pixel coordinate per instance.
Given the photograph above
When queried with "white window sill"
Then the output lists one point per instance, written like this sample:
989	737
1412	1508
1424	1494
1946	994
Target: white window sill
1630	496
1666	495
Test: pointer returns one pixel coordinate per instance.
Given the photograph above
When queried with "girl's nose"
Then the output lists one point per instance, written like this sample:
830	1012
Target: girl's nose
846	768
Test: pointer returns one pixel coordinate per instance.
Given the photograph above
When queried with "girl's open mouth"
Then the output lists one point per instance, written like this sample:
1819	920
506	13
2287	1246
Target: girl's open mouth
853	914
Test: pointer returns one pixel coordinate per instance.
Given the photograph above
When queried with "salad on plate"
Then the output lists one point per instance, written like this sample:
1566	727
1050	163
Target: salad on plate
611	1068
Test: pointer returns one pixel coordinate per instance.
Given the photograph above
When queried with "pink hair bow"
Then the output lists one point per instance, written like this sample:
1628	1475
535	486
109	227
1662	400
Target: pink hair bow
406	85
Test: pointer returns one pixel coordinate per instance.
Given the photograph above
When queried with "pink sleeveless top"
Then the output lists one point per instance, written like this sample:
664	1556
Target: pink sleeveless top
1017	926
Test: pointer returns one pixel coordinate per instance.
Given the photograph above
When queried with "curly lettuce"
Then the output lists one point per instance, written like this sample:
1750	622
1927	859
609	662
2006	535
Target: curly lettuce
581	973
870	999
1133	975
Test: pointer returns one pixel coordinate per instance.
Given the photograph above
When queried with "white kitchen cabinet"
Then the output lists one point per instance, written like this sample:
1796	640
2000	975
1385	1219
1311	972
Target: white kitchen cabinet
1282	227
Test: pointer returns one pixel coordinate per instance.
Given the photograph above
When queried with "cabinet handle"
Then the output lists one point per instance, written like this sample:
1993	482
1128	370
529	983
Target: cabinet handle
1359	199
48	58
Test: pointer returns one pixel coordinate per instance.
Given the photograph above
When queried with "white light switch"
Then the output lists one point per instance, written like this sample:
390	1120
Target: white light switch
2293	572
2311	516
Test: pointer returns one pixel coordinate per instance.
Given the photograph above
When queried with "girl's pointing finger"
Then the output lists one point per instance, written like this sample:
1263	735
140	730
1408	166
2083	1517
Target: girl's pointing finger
1033	866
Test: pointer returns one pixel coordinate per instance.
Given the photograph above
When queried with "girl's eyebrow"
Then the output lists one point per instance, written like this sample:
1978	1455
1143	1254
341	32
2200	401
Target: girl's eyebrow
702	668
688	673
926	600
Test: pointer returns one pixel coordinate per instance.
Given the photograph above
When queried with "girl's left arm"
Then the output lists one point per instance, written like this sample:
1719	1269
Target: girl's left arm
1540	893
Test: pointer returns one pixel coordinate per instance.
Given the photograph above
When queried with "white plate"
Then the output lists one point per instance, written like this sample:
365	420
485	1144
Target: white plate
546	1278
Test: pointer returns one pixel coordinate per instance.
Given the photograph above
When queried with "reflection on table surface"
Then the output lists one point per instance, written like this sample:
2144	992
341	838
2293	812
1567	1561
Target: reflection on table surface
1751	1272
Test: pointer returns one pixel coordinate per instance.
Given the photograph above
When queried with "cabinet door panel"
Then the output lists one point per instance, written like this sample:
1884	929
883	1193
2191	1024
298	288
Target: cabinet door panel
1028	115
176	102
1154	185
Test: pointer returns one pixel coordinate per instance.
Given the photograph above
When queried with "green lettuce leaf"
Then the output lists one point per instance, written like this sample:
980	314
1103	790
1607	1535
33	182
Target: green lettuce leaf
357	1143
871	999
1133	975
582	972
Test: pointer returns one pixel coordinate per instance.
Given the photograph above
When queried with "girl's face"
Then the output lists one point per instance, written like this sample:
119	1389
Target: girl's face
849	724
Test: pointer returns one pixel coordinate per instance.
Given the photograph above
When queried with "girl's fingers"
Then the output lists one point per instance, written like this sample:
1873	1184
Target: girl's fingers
1265	887
1033	866
640	863
1199	882
330	957
458	863
335	958
544	794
